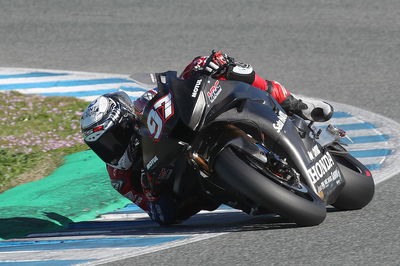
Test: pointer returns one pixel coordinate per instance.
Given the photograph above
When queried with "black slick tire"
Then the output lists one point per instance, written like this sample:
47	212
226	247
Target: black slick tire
249	182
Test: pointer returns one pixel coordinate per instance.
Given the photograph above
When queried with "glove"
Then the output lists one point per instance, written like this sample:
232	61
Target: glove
217	64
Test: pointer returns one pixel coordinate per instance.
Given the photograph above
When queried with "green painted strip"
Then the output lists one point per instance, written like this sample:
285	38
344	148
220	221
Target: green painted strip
79	190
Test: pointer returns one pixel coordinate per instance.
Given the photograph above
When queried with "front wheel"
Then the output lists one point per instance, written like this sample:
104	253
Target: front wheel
305	210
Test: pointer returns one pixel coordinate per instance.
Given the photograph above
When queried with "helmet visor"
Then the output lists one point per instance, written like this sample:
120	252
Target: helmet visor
111	146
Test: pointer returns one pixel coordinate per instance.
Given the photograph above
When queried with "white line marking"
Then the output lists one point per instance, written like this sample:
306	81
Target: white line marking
94	75
130	93
13	81
387	126
146	250
76	88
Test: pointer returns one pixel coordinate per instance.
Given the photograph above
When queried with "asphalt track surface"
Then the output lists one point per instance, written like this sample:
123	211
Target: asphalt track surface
344	51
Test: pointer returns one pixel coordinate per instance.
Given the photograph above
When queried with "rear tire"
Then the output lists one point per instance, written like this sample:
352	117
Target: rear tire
357	192
259	188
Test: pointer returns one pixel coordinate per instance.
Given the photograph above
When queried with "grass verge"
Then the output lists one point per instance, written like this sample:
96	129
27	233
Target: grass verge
36	132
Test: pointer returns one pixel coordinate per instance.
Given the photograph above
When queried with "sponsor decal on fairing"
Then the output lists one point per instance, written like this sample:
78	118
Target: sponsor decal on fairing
315	151
335	176
278	125
196	88
321	167
214	91
152	162
324	167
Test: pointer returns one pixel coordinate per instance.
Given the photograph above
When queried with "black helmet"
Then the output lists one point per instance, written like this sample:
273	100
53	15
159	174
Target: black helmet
108	126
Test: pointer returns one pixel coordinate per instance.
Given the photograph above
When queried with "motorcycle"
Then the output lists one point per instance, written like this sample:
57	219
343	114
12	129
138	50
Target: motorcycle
245	151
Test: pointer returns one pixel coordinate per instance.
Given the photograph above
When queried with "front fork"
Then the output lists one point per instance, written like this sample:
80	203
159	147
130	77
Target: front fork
212	141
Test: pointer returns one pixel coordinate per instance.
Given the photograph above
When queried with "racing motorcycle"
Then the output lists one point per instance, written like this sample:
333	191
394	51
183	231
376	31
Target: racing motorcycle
245	151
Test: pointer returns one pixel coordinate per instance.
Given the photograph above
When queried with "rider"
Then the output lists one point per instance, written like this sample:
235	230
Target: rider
109	128
223	67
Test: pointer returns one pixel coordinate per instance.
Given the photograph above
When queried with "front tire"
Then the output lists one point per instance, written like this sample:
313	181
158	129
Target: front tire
249	182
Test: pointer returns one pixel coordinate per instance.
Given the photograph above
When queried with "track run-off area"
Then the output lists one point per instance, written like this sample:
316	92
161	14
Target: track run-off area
128	232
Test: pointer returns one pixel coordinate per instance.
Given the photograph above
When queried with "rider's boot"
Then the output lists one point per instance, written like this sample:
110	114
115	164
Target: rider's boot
309	109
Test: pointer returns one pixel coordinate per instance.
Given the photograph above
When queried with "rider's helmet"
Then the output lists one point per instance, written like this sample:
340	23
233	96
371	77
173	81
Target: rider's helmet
108	128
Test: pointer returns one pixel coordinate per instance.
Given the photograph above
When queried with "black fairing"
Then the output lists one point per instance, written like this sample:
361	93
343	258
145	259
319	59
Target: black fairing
201	102
240	103
287	142
164	148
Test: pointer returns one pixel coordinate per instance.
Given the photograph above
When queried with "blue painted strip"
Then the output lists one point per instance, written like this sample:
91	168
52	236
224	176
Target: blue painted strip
366	139
87	243
356	126
373	166
371	153
341	115
129	208
65	83
45	262
85	93
32	75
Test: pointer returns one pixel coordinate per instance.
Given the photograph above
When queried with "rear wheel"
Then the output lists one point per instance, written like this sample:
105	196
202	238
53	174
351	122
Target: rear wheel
359	186
294	201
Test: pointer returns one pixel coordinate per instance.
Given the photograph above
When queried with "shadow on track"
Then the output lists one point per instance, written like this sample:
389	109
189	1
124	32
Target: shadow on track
200	223
57	225
17	227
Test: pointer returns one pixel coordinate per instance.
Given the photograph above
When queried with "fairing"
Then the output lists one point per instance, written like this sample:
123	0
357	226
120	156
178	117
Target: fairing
201	102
